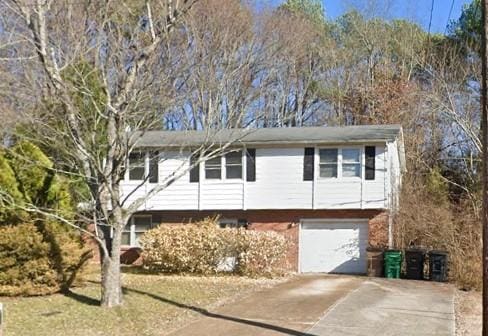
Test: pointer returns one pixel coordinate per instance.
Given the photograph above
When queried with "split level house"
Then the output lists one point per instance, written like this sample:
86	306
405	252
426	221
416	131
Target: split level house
332	190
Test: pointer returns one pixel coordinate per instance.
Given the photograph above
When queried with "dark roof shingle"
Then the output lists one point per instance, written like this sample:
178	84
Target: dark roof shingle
263	136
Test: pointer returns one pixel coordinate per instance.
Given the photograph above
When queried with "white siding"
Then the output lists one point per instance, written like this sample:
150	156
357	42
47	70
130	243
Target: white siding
221	195
279	184
374	191
279	181
337	194
135	190
181	194
394	176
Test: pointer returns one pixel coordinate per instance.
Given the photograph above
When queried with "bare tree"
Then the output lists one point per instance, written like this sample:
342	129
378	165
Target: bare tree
297	52
93	70
223	61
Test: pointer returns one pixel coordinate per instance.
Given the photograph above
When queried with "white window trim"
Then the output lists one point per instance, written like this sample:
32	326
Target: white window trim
132	226
339	164
223	171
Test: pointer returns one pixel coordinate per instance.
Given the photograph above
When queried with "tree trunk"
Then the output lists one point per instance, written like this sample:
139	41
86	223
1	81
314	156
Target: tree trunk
111	279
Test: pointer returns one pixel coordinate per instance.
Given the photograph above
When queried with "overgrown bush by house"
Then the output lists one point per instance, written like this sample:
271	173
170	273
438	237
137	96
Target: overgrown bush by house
435	223
38	254
203	247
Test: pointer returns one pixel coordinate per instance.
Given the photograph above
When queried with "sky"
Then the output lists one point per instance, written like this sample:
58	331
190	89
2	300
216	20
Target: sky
414	10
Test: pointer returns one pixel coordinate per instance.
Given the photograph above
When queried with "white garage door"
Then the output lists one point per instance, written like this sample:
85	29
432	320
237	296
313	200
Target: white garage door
333	246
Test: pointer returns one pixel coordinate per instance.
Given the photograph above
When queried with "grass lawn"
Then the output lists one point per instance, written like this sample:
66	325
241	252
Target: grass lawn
153	305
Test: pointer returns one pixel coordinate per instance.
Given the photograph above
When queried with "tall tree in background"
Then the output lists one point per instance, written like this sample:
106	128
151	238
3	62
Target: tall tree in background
222	61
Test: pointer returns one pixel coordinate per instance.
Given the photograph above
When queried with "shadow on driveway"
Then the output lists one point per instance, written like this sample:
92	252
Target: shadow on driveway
202	311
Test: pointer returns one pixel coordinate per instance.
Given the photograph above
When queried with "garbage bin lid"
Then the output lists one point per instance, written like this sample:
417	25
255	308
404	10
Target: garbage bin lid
438	252
415	250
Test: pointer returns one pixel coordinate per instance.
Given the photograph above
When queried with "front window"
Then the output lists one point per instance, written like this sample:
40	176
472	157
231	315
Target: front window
226	167
137	225
232	223
141	225
126	235
351	162
137	166
340	162
213	169
233	165
328	162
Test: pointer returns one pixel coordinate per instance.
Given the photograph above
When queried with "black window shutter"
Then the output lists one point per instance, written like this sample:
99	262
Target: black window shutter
195	171
251	164
308	164
153	167
370	153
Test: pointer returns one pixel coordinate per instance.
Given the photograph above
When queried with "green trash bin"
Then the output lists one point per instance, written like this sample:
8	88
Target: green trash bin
393	264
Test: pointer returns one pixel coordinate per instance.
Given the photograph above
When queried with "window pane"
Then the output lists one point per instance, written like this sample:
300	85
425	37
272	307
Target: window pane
350	155
136	166
233	165
213	162
234	172
126	238
328	155
212	173
234	158
142	223
138	235
328	170
213	168
350	170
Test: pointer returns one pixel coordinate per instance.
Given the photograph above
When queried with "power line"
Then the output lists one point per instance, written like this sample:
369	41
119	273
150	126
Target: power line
449	16
431	12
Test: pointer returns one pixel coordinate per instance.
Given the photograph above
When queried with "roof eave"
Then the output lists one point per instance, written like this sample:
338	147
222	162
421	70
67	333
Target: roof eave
267	143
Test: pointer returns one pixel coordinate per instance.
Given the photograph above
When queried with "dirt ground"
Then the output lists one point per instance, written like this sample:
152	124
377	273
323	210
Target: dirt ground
468	313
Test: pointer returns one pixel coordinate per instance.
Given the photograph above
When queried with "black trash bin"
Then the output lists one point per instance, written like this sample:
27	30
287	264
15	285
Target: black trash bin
414	259
438	266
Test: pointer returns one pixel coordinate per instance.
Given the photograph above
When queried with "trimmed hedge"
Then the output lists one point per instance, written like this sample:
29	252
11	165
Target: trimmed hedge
204	248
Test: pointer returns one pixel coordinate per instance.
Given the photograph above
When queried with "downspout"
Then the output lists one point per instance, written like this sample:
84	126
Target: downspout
390	229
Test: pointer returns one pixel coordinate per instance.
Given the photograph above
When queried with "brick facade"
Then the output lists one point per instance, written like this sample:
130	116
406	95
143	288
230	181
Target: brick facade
283	221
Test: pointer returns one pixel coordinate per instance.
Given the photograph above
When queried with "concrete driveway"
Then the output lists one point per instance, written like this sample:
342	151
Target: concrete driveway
334	305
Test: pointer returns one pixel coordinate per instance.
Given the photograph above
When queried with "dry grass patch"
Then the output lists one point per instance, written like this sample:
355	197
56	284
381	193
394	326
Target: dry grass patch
153	305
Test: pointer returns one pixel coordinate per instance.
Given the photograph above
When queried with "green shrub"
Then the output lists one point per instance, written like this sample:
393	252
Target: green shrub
38	255
202	248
